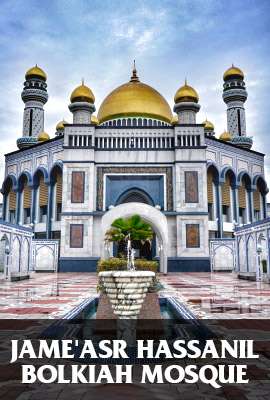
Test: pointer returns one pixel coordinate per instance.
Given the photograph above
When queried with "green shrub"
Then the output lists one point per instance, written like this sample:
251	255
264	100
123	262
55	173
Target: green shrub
120	264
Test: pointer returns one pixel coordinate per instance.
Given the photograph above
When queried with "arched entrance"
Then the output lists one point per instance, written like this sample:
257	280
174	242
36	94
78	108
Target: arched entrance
4	246
150	215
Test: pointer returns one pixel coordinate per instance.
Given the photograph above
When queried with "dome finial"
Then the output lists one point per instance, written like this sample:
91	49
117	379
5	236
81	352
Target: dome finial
185	81
134	77
82	81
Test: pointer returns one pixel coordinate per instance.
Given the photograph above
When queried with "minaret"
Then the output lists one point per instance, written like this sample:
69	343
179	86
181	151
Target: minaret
235	95
186	104
82	105
34	95
209	129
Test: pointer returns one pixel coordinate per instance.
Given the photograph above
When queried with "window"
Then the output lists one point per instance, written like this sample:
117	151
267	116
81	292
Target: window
26	216
242	216
239	122
77	187
211	212
12	216
257	215
76	236
43	214
58	211
192	235
226	213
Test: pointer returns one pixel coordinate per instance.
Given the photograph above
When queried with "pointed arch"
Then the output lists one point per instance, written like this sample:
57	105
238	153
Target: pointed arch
135	195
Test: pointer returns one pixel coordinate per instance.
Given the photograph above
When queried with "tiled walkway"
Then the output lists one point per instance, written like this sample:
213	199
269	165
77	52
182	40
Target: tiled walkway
45	295
217	295
220	295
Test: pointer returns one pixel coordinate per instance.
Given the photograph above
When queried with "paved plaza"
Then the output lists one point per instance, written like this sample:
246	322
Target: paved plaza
207	295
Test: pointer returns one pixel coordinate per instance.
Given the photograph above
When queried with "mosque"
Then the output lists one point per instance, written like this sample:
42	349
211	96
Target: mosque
135	156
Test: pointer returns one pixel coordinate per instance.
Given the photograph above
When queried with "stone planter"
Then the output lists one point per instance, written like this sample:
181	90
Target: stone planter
126	291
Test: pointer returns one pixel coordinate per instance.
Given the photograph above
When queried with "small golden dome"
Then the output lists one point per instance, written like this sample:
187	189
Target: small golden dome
60	126
208	125
94	119
186	93
174	119
36	72
233	71
82	93
226	136
133	99
43	136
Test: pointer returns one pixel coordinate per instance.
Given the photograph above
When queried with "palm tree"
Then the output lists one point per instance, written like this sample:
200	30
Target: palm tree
132	228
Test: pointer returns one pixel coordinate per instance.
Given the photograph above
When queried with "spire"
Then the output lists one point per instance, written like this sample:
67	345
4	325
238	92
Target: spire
185	81
134	77
82	81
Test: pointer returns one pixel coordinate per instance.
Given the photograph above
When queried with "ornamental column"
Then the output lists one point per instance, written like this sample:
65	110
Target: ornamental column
251	204
49	212
235	203
218	187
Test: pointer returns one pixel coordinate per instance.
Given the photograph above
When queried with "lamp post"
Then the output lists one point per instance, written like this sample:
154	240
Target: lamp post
7	253
258	269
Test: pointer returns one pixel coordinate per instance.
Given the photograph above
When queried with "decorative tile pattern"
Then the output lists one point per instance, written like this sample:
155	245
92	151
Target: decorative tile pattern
134	170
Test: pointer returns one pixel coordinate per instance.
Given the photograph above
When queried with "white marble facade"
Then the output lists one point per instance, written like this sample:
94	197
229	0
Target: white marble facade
152	159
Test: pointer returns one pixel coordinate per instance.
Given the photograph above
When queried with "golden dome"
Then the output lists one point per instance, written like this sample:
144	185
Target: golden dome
36	71
208	125
133	99
186	93
43	136
60	126
225	136
233	71
82	93
174	119
94	119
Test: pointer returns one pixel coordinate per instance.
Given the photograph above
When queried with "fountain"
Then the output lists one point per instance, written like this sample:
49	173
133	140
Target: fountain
126	291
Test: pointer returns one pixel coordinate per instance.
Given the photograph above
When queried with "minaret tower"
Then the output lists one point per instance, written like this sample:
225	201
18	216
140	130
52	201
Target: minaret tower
82	104
34	95
186	104
235	95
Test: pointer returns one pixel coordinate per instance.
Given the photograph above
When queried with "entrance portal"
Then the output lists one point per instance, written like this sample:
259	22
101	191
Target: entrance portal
149	214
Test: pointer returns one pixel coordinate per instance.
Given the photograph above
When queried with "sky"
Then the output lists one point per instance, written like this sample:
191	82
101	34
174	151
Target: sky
170	40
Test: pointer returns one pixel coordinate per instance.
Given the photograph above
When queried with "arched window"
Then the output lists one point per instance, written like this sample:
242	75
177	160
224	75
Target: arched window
135	196
134	122
56	178
243	200
212	180
10	197
227	197
259	199
25	198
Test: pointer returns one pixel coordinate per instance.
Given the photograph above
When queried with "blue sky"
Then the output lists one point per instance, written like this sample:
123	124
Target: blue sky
170	40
